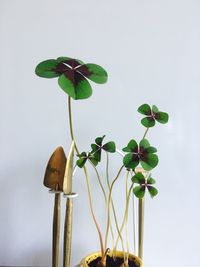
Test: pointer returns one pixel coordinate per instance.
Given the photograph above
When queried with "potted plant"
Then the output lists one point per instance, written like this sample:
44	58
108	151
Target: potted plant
138	161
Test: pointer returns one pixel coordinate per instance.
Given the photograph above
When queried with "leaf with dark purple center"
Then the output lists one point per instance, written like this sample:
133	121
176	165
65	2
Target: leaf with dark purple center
93	72
149	162
139	191
143	154
97	148
152	190
72	75
152	115
109	147
144	143
131	161
138	178
73	63
46	69
148	122
131	147
162	117
99	140
67	86
150	180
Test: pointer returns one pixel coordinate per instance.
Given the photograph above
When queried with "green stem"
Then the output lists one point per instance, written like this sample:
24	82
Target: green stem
126	221
99	181
108	184
145	133
140	227
126	211
109	200
87	180
114	212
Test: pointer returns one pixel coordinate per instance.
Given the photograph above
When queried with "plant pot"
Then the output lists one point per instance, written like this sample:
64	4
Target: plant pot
86	262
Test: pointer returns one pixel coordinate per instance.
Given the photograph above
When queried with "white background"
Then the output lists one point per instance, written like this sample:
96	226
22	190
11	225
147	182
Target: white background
151	50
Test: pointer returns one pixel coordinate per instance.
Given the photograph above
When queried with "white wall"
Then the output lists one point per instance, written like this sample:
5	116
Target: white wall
151	50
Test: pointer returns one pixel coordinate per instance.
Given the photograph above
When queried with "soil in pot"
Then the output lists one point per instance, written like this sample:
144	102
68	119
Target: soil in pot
110	262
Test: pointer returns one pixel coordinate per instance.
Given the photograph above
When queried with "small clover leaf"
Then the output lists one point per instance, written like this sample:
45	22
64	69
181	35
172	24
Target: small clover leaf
142	153
152	115
72	75
97	147
139	190
83	157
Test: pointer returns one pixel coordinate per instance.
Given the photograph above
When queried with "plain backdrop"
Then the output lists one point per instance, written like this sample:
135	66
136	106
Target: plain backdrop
151	50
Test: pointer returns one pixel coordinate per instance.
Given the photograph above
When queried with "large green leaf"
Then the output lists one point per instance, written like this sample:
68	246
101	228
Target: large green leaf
151	149
150	180
83	89
145	109
99	140
67	59
93	160
110	147
139	191
131	147
144	143
67	86
46	69
155	109
162	117
138	178
148	122
93	72
130	161
153	191
150	162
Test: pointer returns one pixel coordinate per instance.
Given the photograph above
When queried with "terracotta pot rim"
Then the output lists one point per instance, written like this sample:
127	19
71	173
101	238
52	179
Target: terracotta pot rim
94	255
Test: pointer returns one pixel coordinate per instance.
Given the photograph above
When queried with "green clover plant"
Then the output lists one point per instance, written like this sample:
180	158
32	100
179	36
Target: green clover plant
152	115
144	183
72	75
142	153
73	78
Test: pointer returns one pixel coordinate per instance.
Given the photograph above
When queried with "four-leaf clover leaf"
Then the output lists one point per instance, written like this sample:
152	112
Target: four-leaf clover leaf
73	75
96	148
152	115
139	191
142	153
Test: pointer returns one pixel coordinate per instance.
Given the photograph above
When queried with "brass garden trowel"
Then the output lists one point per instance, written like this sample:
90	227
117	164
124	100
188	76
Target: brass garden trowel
53	179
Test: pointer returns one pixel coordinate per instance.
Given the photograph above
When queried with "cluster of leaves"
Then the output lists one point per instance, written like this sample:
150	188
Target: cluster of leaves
95	154
139	190
142	153
152	115
73	75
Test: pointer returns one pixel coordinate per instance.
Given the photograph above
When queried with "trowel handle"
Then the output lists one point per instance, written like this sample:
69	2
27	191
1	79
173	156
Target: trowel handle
56	230
67	233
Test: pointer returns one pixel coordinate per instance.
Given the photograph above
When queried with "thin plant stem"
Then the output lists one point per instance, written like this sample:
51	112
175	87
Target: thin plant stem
134	231
109	200
108	184
141	219
113	207
126	222
124	218
87	180
99	181
145	133
140	227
